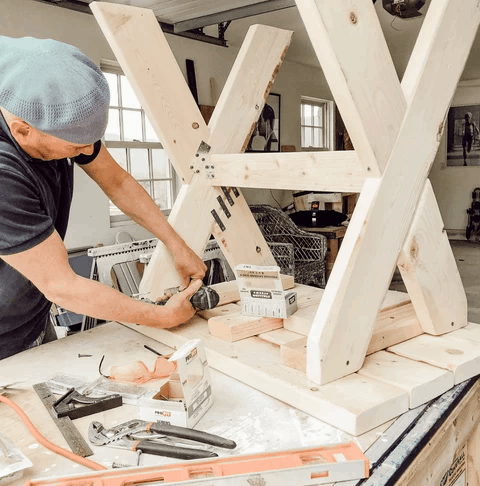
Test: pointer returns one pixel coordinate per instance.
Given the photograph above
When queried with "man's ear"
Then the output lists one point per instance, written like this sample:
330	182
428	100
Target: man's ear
21	130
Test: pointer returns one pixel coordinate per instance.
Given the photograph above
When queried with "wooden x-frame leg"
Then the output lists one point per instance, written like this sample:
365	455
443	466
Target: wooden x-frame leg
159	84
396	129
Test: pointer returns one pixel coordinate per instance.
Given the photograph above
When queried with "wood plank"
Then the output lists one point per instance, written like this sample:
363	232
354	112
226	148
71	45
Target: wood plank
471	332
341	333
393	326
397	316
307	295
430	272
313	171
257	363
235	326
280	336
421	381
258	61
137	41
350	45
460	356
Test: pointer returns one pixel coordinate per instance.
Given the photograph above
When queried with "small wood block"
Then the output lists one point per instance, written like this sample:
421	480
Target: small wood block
394	326
235	326
460	356
307	295
219	311
280	336
421	381
294	354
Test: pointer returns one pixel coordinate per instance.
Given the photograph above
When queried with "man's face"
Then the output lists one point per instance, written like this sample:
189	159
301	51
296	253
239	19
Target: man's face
47	147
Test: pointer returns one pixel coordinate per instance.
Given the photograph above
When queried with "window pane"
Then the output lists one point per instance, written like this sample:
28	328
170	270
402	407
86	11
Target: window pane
318	138
318	116
150	132
112	83
161	167
307	141
163	194
139	163
113	125
132	125
308	115
120	156
129	98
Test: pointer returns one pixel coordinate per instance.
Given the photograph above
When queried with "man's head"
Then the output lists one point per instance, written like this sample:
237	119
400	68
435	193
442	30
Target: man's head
468	116
54	89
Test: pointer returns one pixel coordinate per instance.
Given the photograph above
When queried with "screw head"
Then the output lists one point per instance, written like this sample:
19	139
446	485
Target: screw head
195	125
259	250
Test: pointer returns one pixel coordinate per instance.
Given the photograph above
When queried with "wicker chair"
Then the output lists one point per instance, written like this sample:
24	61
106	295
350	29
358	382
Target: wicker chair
309	251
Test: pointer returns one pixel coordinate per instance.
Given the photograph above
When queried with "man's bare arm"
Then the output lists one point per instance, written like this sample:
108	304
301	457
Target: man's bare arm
128	195
46	266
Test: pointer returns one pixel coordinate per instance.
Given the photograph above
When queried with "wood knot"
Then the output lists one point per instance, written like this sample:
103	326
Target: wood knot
353	17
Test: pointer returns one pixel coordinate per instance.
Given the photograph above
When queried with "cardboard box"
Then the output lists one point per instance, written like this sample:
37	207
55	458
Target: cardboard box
261	292
187	395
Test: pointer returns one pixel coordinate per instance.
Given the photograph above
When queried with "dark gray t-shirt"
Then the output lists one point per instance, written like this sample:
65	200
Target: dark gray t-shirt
35	199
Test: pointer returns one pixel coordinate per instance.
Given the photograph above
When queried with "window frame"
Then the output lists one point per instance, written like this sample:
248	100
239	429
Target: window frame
117	217
328	123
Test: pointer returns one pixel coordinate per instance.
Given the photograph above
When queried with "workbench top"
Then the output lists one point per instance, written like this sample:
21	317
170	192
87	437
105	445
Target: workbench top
254	420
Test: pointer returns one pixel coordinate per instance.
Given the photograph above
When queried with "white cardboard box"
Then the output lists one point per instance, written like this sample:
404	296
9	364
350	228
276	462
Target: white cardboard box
261	292
187	395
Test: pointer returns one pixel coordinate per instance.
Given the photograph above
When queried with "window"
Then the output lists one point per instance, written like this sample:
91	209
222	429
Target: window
132	142
316	119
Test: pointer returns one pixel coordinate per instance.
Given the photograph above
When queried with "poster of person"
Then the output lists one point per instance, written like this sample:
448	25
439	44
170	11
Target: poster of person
463	136
266	135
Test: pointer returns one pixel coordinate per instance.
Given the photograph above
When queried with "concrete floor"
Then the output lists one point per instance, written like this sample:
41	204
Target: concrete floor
467	256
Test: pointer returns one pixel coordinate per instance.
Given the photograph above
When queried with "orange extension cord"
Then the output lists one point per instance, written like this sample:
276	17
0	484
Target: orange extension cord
40	438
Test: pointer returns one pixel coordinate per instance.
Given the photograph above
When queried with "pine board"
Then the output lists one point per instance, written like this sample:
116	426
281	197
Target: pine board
257	363
460	356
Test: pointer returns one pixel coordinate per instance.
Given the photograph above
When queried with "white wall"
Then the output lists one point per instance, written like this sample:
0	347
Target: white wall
89	222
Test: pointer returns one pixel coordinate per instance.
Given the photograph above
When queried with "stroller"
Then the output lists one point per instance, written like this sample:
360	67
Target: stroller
473	227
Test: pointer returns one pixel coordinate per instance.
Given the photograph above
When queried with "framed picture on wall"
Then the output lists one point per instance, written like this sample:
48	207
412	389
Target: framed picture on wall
266	135
463	136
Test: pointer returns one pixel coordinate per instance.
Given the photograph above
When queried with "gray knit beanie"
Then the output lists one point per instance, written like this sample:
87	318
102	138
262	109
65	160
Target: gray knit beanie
53	87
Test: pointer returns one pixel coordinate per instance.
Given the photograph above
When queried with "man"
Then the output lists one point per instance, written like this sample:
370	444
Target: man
54	107
470	131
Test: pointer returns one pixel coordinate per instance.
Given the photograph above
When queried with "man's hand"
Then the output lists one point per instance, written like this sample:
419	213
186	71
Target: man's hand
189	266
180	304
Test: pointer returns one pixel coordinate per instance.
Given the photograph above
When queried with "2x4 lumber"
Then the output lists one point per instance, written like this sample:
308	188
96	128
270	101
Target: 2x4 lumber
430	272
421	381
255	67
457	355
314	171
394	325
396	322
344	323
139	44
235	326
280	337
350	45
257	364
